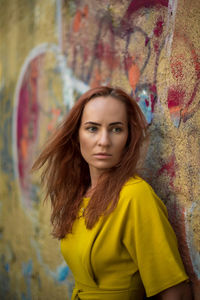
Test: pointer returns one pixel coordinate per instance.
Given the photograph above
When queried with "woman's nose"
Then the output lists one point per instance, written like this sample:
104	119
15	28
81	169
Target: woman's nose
104	138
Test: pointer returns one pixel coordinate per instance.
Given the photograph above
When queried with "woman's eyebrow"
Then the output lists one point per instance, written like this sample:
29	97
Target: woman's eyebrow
116	123
92	123
98	124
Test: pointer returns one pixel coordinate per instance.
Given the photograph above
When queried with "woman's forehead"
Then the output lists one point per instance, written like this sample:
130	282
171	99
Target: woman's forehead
105	108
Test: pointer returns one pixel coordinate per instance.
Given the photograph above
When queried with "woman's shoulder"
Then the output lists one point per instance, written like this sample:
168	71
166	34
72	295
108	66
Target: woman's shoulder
138	192
136	184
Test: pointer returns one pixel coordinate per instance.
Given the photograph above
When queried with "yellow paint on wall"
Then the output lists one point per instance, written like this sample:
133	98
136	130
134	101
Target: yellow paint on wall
25	230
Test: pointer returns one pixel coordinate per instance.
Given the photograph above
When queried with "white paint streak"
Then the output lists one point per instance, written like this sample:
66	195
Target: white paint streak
70	83
59	23
172	8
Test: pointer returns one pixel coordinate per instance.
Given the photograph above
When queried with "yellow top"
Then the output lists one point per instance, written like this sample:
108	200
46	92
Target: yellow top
132	251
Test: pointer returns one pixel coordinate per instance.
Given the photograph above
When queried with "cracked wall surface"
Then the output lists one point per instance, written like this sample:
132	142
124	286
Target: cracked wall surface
50	53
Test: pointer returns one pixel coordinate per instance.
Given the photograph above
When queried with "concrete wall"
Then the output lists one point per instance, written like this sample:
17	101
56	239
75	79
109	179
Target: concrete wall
51	52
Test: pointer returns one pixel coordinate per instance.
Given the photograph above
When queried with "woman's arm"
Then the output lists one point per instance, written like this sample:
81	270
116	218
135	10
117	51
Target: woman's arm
180	291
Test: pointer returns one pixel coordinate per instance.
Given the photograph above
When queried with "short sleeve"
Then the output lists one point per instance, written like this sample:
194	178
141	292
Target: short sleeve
151	241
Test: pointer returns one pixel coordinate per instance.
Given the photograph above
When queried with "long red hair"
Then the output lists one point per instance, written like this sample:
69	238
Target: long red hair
65	173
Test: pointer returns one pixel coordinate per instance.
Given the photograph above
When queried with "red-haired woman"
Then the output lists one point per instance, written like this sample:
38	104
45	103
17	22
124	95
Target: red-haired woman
114	231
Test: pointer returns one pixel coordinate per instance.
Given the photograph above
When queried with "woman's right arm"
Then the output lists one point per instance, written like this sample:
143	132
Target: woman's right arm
180	291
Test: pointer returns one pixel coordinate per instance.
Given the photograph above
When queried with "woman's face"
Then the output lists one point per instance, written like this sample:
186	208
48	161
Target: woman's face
103	133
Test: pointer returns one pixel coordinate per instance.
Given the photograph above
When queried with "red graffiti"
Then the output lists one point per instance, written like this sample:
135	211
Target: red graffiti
170	168
27	118
146	102
80	14
106	53
156	46
177	68
175	97
179	105
137	4
158	30
147	39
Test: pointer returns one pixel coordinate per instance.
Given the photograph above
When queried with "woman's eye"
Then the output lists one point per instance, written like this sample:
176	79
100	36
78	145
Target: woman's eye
92	129
117	129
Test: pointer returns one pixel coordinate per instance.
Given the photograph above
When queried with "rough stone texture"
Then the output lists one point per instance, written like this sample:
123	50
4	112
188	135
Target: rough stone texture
50	53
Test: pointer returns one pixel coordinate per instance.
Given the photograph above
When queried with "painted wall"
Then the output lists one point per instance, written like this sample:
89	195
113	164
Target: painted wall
51	52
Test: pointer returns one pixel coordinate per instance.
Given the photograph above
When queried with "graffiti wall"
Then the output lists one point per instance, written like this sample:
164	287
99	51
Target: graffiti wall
50	53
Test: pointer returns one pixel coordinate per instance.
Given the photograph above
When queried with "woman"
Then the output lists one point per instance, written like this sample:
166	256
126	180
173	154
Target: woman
114	231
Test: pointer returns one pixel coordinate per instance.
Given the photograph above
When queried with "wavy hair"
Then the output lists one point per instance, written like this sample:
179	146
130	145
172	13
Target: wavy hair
65	174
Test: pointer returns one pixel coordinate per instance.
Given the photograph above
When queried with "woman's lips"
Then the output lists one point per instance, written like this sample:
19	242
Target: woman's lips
102	155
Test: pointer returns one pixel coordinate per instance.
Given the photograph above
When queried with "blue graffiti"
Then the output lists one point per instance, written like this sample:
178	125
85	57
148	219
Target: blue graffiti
6	162
146	97
7	267
4	278
63	272
27	270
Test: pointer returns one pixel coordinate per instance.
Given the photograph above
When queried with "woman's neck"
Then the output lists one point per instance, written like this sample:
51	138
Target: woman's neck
91	188
94	177
89	192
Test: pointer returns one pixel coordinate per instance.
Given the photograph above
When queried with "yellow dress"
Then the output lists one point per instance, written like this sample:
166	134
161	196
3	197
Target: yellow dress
131	252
